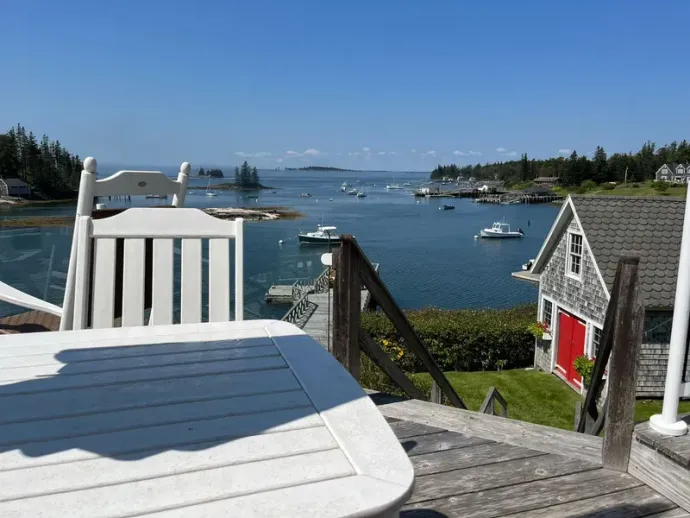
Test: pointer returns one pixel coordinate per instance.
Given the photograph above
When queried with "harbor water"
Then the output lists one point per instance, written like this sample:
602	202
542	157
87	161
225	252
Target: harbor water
428	257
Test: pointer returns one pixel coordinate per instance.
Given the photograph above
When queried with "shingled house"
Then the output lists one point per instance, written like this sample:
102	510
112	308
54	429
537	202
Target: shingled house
576	267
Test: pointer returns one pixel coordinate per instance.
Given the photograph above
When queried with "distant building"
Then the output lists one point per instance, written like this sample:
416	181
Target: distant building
546	181
14	187
676	173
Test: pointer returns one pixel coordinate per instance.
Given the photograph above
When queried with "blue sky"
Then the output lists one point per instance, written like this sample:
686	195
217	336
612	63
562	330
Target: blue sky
394	84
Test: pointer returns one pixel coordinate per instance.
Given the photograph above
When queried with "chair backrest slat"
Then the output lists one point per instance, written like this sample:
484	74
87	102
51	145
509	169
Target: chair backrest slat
218	279
122	183
135	226
190	299
133	282
163	279
104	279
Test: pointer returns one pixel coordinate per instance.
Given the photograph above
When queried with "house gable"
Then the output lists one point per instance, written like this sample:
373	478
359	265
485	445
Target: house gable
586	297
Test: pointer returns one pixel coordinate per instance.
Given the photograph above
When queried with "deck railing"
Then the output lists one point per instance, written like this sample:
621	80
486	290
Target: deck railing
354	271
620	349
298	309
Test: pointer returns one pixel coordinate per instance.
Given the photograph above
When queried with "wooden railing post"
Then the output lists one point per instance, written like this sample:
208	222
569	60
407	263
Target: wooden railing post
622	381
347	306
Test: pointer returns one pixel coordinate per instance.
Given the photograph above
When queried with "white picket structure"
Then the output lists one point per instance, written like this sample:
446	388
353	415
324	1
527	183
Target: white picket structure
163	226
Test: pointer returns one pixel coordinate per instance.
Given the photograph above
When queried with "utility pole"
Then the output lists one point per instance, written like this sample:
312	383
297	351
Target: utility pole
626	175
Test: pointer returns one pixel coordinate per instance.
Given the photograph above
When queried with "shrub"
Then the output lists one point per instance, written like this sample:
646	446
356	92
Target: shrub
660	186
636	186
608	186
465	340
588	185
584	367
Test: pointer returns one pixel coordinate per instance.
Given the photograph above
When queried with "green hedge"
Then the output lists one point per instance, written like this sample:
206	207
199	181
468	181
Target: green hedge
461	340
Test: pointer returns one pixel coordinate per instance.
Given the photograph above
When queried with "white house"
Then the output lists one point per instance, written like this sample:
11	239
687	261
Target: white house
677	173
14	187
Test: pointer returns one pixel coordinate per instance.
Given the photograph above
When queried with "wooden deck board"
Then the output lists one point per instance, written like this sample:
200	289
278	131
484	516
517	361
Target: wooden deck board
29	322
458	477
317	324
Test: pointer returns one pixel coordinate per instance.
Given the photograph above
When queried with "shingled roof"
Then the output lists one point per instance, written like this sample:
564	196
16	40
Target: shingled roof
650	226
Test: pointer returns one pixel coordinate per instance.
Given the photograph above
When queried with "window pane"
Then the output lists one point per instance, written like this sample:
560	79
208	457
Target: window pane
596	340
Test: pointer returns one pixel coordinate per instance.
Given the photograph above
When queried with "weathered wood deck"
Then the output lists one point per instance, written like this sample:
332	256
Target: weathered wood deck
475	465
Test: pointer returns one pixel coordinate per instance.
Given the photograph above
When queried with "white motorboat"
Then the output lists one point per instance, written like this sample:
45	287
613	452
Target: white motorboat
322	236
353	192
361	194
528	265
343	187
501	230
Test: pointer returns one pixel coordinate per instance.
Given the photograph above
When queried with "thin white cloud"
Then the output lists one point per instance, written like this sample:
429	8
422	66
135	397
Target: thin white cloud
293	153
501	149
475	153
260	154
366	149
393	153
312	152
459	153
428	153
381	153
414	150
511	153
565	151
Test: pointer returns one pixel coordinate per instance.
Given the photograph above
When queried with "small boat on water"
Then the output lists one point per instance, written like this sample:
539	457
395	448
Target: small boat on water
501	230
353	192
361	194
407	184
322	236
209	192
446	207
157	196
305	195
528	265
343	187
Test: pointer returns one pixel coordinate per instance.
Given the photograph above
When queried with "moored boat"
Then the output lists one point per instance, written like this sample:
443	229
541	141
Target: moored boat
361	194
446	207
501	230
353	192
323	235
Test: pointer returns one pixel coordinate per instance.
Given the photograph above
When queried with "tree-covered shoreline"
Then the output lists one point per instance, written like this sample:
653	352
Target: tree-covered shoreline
49	168
576	169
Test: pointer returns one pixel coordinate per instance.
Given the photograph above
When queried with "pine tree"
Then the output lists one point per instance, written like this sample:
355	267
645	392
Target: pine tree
238	178
245	175
600	169
525	170
255	178
201	172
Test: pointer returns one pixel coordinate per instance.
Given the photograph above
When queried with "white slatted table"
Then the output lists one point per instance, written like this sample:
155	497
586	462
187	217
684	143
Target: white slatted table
196	420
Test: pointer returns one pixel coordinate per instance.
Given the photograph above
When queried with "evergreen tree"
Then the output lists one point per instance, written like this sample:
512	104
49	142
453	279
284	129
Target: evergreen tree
245	175
201	172
600	169
238	178
255	178
525	173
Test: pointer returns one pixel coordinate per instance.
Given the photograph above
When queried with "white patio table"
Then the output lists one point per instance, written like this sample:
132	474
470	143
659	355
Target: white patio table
231	419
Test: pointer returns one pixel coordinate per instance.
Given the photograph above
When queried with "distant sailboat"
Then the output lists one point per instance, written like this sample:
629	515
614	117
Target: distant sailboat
209	193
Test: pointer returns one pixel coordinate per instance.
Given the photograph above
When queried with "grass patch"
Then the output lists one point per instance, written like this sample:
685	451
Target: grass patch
533	396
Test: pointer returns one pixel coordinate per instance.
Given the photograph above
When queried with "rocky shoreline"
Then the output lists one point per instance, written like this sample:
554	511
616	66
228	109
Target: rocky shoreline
256	214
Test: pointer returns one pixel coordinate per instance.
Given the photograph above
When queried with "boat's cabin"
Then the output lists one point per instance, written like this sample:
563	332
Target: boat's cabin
326	230
501	227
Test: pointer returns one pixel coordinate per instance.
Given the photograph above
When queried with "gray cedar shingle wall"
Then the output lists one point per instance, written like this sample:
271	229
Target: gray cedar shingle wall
542	355
587	297
654	354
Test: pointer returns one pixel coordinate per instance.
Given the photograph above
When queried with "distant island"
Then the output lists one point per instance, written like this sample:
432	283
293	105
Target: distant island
246	179
210	173
320	168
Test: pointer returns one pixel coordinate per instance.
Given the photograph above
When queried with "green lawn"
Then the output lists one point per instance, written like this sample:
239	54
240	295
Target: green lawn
643	189
533	396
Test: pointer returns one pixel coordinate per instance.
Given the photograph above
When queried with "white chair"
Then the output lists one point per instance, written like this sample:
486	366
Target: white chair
163	226
122	183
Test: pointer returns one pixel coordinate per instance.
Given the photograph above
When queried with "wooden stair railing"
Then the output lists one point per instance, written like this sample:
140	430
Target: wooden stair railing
353	269
620	343
489	404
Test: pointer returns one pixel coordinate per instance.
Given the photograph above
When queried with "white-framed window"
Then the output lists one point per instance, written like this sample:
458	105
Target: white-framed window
547	312
574	266
596	341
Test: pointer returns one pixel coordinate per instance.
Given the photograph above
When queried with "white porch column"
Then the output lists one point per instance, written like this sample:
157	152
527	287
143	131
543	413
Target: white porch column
667	422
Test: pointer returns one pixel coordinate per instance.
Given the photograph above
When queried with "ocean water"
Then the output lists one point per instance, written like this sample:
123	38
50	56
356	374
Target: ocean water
428	257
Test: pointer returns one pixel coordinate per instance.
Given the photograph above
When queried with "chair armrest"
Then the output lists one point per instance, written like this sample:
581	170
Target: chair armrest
19	298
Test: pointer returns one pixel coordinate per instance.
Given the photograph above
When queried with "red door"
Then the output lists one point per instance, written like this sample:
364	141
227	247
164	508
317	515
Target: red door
571	344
